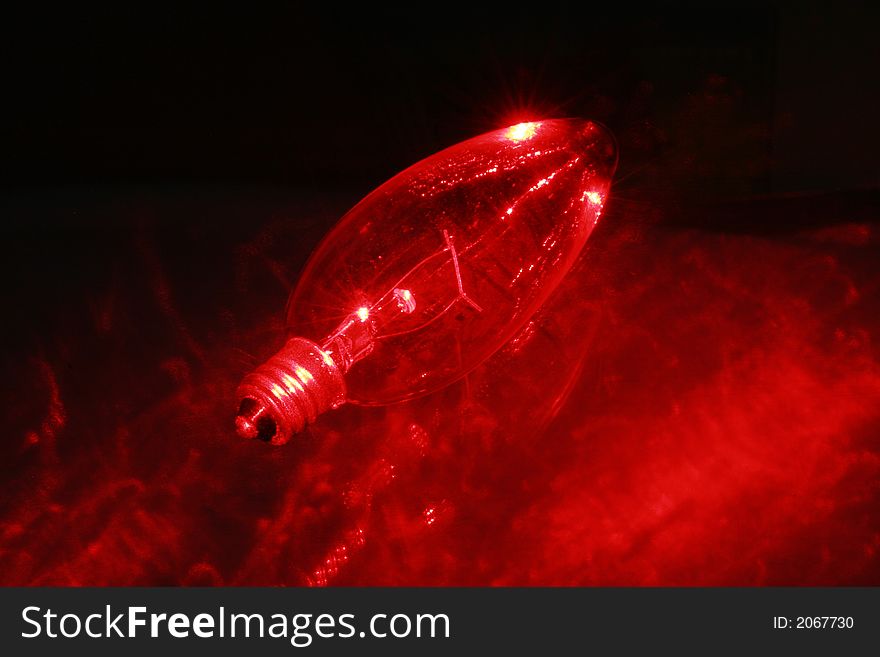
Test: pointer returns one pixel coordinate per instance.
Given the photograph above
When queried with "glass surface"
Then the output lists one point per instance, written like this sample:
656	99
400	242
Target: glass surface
445	261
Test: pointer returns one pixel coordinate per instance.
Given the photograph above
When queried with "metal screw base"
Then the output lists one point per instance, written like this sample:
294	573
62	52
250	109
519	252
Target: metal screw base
287	392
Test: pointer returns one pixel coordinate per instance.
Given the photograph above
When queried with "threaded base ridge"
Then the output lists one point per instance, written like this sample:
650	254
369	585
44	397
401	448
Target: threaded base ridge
288	391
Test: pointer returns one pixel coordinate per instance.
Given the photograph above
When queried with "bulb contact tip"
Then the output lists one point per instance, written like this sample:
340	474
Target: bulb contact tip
245	427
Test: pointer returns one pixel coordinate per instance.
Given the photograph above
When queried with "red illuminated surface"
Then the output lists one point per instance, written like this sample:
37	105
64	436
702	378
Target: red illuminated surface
692	406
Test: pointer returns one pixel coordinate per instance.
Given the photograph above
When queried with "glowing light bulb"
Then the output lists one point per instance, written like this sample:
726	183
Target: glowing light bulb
433	272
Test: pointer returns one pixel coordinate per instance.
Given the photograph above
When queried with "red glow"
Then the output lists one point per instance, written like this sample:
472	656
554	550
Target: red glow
692	406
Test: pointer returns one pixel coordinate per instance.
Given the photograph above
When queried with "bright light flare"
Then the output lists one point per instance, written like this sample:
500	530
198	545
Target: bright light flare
405	300
522	131
594	198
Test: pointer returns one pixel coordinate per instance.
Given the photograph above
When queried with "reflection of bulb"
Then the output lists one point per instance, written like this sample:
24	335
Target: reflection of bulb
432	272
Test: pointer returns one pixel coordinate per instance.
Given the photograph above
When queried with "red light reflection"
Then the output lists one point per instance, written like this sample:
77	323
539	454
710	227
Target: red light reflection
694	408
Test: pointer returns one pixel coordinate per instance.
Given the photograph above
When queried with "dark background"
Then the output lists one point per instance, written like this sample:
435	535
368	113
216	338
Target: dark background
298	95
165	172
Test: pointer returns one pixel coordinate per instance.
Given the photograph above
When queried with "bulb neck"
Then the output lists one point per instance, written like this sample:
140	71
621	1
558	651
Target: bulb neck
289	391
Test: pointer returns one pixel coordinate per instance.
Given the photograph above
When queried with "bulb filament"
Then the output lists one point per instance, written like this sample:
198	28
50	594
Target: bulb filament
304	379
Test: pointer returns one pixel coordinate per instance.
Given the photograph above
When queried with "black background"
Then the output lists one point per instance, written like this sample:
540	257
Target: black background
300	95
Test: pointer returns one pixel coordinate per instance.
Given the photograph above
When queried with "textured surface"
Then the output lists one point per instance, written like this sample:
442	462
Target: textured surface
698	405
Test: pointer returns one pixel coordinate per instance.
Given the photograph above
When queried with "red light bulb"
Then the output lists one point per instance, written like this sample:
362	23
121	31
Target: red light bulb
433	272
